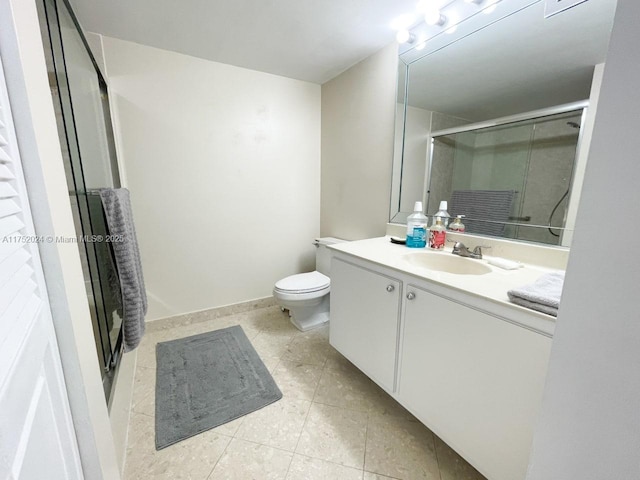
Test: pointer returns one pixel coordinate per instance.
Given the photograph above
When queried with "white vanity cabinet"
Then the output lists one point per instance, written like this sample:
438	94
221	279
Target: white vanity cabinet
365	308
472	376
476	380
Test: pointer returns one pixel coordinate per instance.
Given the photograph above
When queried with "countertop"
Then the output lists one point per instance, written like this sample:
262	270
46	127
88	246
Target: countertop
488	291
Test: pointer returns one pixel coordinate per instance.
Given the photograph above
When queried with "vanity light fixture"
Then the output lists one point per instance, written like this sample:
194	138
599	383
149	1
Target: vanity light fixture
433	16
404	36
454	24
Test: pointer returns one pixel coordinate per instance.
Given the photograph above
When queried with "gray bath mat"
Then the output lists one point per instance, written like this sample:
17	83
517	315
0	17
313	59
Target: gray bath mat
206	380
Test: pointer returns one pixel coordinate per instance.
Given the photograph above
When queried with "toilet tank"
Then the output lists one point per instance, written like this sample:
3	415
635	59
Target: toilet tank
323	254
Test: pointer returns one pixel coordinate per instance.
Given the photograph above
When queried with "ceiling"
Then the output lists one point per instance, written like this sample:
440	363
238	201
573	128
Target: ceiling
302	39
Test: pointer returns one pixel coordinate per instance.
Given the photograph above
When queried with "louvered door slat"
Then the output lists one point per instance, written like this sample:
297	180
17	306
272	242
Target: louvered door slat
8	207
14	286
5	173
9	248
6	190
8	226
12	264
21	301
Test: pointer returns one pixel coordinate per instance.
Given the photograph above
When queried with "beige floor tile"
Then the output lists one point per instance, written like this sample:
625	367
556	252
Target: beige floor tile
297	380
277	425
383	404
193	458
144	391
335	418
400	448
335	435
229	428
250	461
272	319
146	352
376	476
141	435
452	465
308	348
307	468
270	346
270	362
146	355
343	385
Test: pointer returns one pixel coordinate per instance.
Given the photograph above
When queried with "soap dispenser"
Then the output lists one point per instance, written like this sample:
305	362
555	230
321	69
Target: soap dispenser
437	234
457	225
417	228
442	213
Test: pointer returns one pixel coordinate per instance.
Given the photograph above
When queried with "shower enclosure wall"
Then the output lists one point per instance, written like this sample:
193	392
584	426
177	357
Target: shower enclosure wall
532	158
84	126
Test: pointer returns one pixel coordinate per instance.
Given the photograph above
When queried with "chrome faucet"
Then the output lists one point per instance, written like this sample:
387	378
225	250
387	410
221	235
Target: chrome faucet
459	248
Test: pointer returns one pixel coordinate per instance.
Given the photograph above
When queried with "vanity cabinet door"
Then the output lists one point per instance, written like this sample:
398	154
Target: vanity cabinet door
365	308
476	380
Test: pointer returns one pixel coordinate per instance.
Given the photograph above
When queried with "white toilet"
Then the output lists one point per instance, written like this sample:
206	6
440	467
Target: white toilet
306	295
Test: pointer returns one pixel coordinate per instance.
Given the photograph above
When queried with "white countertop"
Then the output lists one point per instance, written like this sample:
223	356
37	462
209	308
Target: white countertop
492	286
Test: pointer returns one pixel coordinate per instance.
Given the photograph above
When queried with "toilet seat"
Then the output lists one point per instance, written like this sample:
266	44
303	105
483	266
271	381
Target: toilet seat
303	283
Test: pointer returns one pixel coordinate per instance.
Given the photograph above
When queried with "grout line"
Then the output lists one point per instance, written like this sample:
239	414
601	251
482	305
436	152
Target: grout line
221	455
332	463
435	451
366	435
304	424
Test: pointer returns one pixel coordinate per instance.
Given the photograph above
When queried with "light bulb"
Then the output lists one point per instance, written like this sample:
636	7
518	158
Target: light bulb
454	24
404	36
433	17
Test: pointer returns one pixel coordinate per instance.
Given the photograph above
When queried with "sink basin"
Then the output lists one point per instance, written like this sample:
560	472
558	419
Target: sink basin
447	263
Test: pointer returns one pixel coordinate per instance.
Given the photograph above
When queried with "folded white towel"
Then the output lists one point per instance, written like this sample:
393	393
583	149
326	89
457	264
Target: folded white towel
542	295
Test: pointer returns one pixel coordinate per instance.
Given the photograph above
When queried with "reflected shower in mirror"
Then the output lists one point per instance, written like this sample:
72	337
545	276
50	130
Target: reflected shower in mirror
508	180
497	100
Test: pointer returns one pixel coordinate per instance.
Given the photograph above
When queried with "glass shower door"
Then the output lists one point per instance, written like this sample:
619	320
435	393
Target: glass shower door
84	126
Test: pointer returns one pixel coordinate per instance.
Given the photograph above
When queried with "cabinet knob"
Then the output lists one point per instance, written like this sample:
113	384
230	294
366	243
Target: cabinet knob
411	296
390	288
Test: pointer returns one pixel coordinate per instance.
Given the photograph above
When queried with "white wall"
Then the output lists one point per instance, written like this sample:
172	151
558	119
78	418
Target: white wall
223	164
589	427
358	108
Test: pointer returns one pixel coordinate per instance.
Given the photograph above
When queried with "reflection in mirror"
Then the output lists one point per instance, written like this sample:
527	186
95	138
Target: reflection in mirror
468	101
508	180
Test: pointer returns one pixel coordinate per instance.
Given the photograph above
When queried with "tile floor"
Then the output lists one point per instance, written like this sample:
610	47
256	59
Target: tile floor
332	422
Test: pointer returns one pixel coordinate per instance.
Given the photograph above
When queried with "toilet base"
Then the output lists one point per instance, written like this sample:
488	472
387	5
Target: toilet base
308	317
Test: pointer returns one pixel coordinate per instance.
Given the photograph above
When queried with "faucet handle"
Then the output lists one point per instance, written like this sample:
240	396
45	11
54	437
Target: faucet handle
477	251
460	249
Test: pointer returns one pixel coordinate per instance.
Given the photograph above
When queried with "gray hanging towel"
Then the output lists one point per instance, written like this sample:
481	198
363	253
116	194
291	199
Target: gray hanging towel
117	209
493	206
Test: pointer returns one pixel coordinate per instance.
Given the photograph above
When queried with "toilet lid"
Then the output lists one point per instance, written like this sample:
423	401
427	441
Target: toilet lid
303	282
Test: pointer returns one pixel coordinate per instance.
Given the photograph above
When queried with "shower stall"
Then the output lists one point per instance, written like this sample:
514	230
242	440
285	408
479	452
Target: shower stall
511	179
83	118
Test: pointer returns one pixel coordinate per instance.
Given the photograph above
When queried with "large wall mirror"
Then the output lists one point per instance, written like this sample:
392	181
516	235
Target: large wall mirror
496	120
